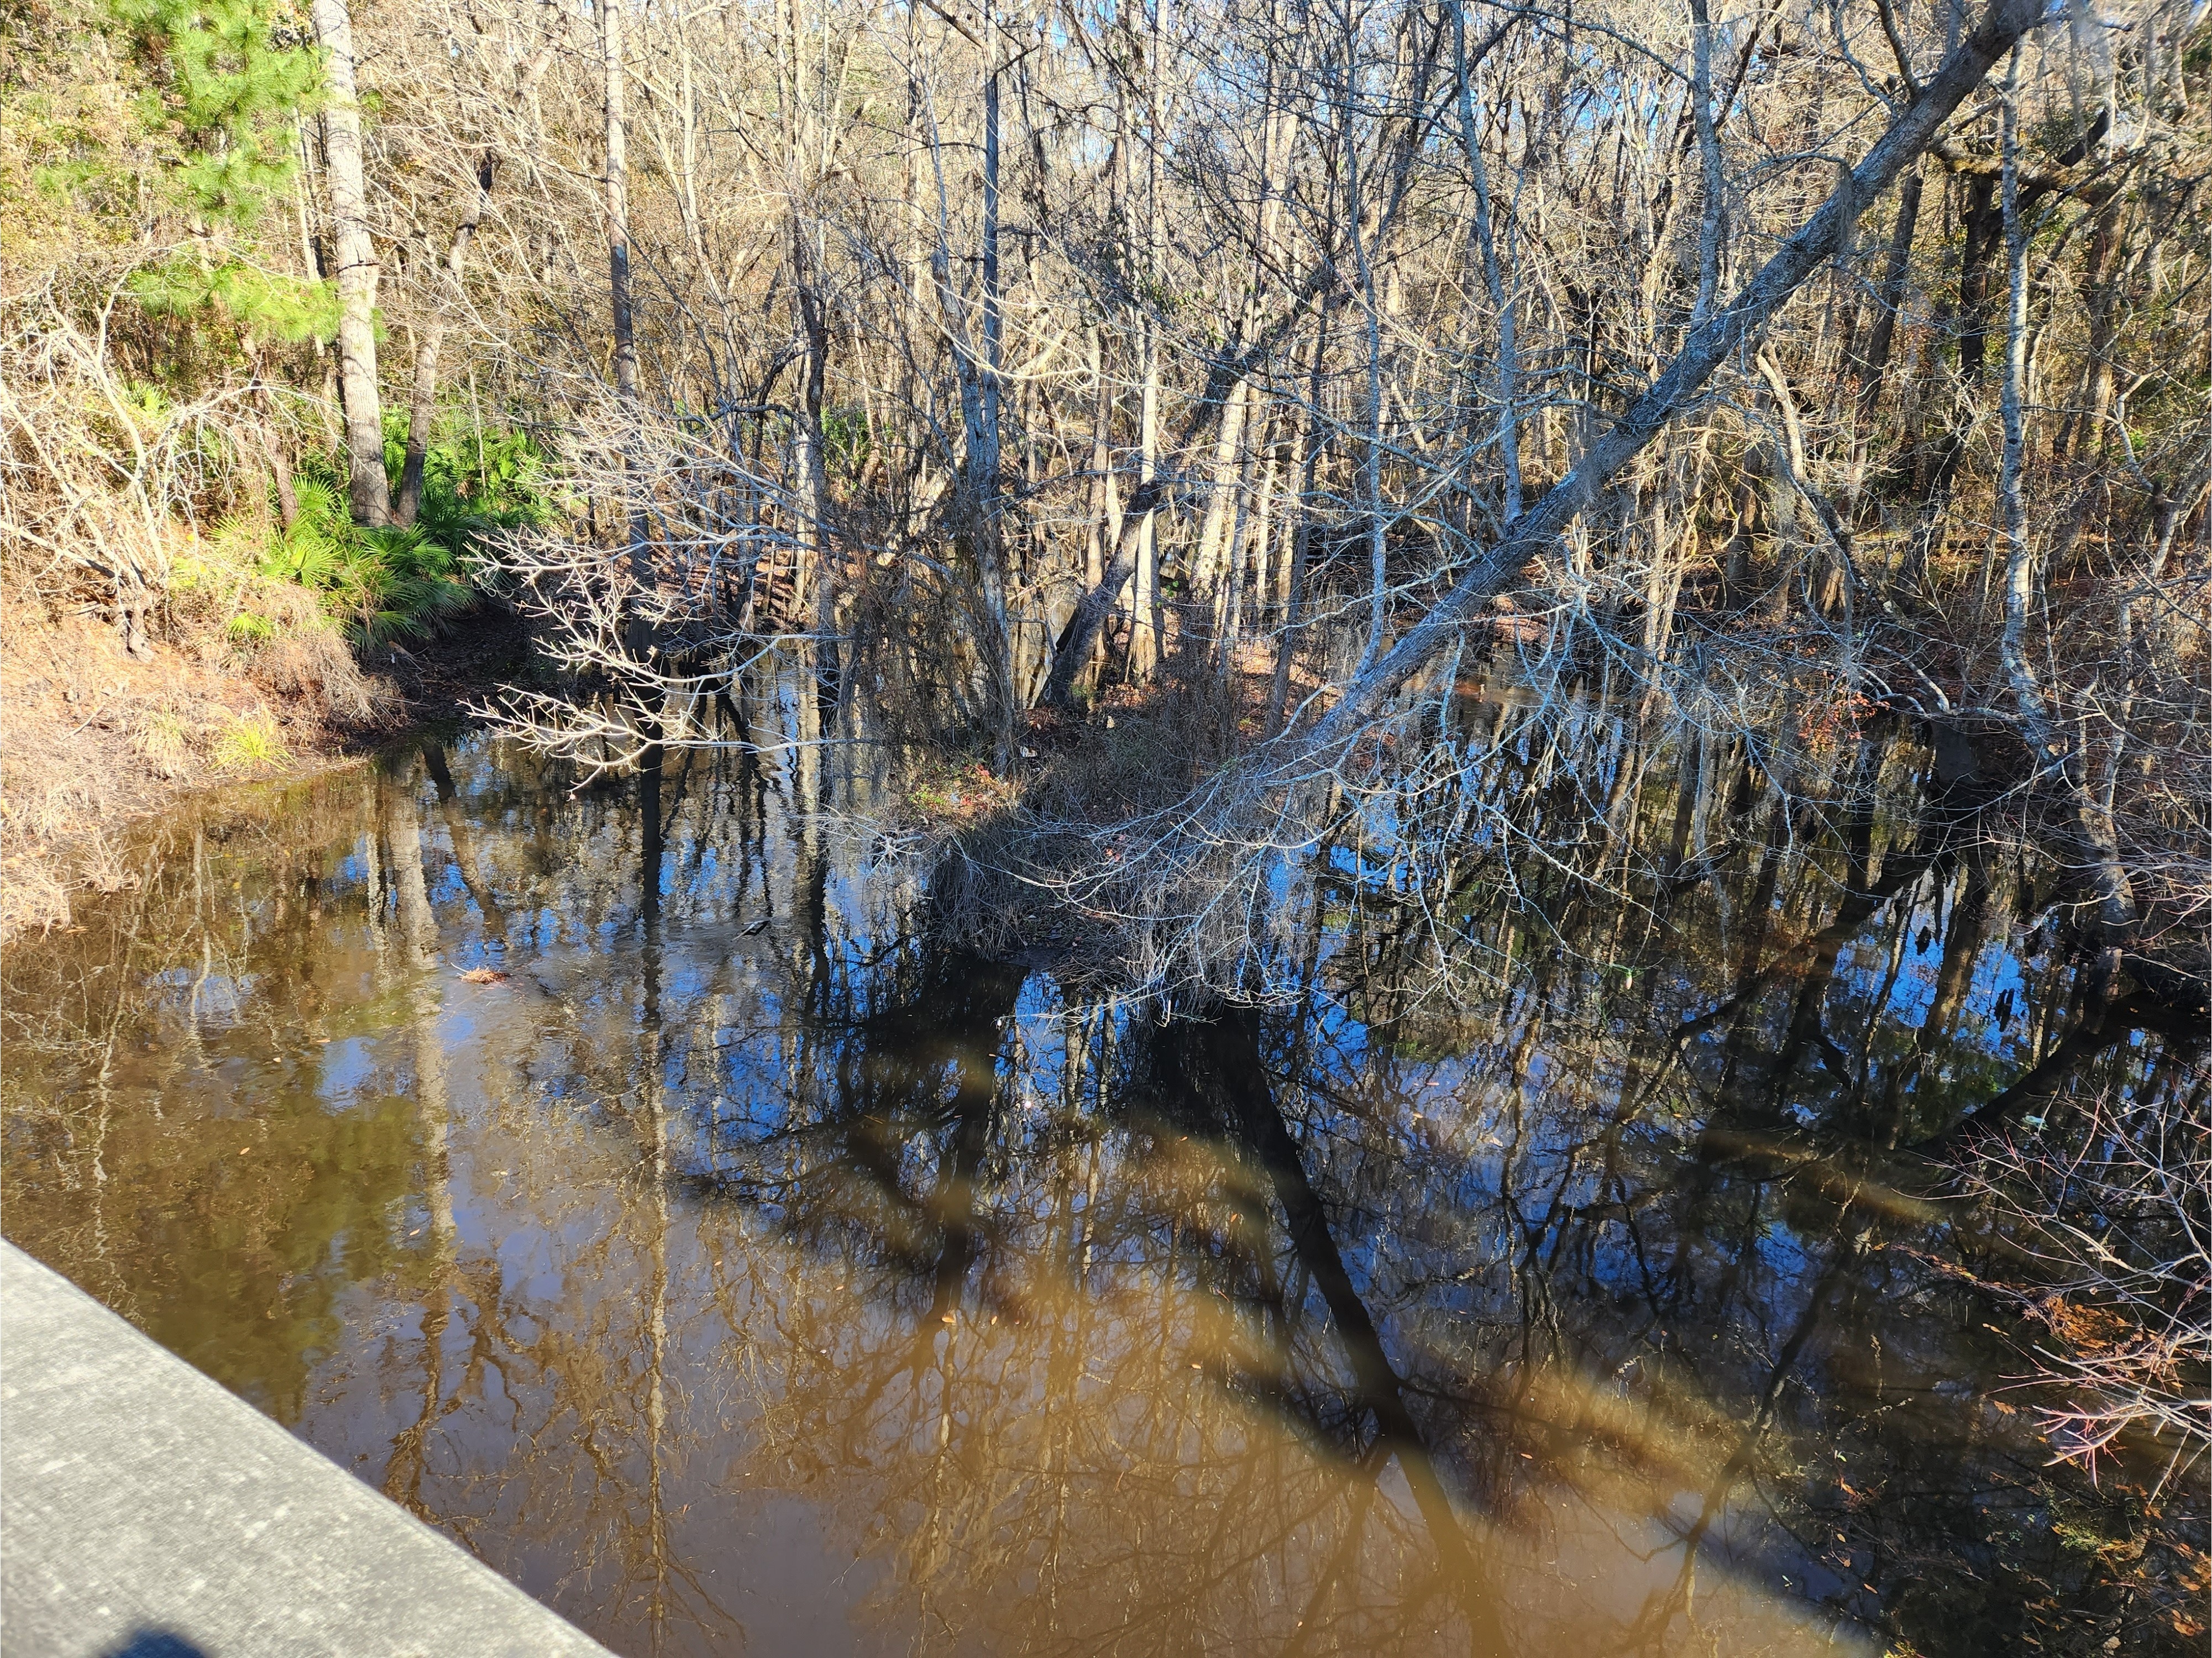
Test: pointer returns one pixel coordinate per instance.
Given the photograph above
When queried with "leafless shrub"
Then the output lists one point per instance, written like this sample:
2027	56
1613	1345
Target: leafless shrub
2112	1205
101	473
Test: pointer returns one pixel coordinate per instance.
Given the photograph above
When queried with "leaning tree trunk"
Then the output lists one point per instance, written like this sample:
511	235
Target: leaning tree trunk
369	489
1726	333
1073	648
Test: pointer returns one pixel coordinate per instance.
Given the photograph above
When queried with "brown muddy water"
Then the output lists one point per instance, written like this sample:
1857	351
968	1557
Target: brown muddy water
740	1272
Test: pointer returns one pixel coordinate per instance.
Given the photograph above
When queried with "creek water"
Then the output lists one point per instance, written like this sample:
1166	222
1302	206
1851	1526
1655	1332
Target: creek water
645	1200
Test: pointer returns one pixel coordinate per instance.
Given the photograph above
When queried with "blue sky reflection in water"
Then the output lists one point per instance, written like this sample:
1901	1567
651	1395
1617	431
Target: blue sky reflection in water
762	1276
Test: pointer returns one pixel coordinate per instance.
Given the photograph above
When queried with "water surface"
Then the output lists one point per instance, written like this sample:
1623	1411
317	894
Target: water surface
649	1203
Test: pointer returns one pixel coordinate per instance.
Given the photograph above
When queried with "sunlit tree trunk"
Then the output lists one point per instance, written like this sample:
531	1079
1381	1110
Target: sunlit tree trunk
368	488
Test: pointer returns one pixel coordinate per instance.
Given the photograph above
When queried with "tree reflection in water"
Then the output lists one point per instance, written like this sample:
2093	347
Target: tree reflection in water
748	1268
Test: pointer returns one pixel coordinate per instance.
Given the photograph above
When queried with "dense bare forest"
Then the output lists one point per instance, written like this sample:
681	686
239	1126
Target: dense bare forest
1794	367
1512	475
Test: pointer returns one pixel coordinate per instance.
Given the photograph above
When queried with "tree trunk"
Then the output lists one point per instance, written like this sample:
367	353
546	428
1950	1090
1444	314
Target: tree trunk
617	189
1872	366
423	406
2090	434
2046	738
1222	500
814	584
1983	223
1713	178
280	463
985	447
1378	583
1144	632
368	490
1876	363
1073	649
1509	366
421	414
640	630
1314	440
1104	530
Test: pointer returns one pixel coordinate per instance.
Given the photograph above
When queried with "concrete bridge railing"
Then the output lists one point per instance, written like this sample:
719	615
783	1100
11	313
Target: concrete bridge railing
145	1512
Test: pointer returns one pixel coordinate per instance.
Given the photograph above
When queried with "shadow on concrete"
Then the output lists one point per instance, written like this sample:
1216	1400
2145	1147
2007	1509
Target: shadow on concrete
156	1643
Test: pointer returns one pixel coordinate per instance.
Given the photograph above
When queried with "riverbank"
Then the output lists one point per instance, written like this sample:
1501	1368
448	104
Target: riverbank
98	739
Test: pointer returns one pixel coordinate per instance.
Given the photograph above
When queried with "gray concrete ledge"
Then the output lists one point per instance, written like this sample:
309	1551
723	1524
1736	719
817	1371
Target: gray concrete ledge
146	1511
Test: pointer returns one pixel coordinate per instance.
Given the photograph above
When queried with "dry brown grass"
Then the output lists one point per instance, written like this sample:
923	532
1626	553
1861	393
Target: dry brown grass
92	739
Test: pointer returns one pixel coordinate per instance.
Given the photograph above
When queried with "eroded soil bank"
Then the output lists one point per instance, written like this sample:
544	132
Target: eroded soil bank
97	740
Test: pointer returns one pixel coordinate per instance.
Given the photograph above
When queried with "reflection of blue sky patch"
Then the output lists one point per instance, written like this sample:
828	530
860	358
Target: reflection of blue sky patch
217	1000
348	1066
